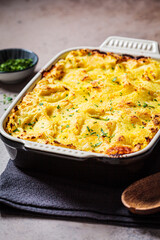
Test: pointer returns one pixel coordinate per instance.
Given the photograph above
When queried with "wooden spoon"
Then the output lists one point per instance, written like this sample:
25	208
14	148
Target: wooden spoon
143	196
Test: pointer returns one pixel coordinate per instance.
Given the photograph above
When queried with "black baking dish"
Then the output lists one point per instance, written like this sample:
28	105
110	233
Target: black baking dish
72	163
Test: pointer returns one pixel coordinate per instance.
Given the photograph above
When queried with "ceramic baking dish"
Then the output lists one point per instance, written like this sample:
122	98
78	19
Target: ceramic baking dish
74	163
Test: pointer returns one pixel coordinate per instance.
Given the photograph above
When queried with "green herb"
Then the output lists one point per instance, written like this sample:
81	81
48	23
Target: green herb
9	99
145	105
120	93
101	101
103	133
40	104
106	119
58	107
155	99
114	79
66	95
151	106
89	54
16	130
96	105
93	133
67	126
88	129
96	145
111	109
12	65
30	124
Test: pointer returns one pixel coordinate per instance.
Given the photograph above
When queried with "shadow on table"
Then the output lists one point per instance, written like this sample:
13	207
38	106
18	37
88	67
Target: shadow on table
17	87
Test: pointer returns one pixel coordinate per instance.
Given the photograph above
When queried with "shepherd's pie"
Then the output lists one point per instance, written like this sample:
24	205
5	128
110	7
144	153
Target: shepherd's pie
92	101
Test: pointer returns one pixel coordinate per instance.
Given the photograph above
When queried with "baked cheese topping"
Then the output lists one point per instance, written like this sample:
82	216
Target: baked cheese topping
92	101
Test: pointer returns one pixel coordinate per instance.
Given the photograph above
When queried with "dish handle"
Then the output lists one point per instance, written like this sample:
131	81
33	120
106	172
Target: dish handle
131	46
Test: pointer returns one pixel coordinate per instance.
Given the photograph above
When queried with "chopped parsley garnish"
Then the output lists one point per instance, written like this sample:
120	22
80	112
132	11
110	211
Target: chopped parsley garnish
9	99
6	100
89	130
96	105
145	105
114	79
103	133
16	130
30	124
93	133
12	65
96	145
89	54
67	126
40	104
58	107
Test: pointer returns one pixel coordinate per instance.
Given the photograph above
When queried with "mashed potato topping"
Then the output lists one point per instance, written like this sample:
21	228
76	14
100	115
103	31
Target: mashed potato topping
92	101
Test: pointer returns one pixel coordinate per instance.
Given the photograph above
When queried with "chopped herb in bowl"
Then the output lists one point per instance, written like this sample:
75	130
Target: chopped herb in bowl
12	65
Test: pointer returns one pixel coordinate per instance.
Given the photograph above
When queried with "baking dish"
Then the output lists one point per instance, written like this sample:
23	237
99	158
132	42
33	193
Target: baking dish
93	166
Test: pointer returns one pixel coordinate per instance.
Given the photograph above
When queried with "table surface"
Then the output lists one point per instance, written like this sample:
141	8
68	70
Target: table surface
47	27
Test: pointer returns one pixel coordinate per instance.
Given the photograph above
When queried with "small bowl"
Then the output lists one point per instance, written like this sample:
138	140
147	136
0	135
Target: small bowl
17	53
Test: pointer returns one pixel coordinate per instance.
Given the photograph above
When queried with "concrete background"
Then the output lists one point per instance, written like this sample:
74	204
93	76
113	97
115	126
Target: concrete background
48	27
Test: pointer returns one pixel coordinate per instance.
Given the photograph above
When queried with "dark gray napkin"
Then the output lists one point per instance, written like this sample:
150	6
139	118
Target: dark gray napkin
46	194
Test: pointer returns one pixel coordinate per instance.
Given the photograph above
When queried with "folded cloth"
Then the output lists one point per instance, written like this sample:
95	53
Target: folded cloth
55	196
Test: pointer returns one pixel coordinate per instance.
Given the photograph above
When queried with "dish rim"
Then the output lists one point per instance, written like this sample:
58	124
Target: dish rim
67	151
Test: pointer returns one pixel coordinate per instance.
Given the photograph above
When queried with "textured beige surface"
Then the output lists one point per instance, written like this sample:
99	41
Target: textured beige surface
48	27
